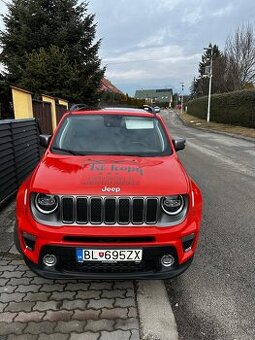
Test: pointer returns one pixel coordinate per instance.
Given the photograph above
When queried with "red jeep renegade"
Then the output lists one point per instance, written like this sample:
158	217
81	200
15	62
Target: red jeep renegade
109	199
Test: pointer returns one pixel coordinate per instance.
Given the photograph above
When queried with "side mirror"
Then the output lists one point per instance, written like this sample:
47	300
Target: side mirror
179	143
45	140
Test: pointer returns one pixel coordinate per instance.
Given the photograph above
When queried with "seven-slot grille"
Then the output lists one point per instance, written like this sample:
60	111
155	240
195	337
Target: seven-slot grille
109	210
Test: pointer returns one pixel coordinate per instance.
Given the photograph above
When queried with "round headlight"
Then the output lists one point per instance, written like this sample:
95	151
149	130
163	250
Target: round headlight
172	205
46	204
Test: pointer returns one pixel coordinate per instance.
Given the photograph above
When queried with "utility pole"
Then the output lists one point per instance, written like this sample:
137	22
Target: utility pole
210	83
182	84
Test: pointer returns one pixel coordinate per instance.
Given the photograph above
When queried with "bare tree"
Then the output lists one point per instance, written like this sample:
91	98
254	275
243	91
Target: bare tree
240	54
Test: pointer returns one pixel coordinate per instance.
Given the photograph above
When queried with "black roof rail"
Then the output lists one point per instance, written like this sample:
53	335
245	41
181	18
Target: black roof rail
79	107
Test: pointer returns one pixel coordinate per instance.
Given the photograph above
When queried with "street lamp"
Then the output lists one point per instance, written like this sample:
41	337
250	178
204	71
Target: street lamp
210	83
182	84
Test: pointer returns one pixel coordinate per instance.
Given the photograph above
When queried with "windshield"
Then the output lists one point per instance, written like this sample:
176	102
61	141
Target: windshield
111	134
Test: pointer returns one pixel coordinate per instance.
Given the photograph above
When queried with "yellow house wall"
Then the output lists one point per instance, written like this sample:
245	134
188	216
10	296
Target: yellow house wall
22	103
53	109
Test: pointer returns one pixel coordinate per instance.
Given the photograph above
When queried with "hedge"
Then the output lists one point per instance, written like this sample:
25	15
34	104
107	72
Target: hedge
235	108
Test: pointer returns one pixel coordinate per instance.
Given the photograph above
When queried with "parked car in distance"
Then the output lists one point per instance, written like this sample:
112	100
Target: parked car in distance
156	109
109	199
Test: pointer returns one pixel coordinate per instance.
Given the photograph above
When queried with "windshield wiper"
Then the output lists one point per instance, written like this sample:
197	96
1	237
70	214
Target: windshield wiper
71	152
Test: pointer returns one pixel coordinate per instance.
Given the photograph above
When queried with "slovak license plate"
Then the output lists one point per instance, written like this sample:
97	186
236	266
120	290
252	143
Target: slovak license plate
109	255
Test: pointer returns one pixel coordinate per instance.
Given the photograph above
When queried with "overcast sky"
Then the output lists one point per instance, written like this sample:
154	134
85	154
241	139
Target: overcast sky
158	43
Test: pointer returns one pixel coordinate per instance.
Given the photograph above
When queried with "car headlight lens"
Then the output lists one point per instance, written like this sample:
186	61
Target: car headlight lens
172	205
46	204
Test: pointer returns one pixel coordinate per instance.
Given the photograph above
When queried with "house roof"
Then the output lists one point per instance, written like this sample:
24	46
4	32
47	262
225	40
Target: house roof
160	95
107	86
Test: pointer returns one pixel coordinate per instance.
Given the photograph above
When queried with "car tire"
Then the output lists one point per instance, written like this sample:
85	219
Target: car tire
16	238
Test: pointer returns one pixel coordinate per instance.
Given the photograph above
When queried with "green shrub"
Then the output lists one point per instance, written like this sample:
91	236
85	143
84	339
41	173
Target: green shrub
235	108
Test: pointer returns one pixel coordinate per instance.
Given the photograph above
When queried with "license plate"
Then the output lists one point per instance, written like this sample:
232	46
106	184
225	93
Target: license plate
109	255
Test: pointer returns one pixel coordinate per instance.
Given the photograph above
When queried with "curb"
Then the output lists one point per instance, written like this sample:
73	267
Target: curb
157	321
248	139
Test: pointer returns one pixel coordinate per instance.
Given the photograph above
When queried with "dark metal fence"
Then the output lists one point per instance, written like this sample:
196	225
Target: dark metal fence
19	154
42	113
60	111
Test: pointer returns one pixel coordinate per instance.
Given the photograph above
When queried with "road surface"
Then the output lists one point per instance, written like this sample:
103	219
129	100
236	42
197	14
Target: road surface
215	298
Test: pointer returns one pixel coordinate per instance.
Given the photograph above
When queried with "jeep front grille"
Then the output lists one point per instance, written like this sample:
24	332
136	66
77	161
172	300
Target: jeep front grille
109	210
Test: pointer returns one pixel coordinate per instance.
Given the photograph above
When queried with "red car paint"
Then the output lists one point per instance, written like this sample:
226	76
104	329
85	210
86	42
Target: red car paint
109	175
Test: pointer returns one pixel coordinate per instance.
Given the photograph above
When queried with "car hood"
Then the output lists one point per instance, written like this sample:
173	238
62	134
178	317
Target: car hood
109	175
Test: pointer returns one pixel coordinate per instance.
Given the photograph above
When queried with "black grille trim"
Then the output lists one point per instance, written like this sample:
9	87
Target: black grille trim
98	210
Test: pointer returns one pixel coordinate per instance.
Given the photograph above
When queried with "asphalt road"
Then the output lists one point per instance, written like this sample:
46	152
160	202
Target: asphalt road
215	297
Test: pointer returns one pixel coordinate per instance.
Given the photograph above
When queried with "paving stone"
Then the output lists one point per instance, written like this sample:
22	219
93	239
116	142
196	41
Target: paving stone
88	314
5	262
3	282
29	273
116	335
41	281
46	305
131	323
114	313
7	317
25	306
11	328
97	304
98	325
17	297
127	302
9	275
130	292
74	287
84	336
52	288
100	285
54	336
70	326
26	289
113	293
2	306
132	312
75	304
135	335
7	289
60	315
40	327
17	262
62	295
37	296
20	281
22	337
123	285
32	316
89	294
9	267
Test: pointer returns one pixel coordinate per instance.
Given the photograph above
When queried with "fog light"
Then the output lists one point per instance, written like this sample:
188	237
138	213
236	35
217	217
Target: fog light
167	260
49	260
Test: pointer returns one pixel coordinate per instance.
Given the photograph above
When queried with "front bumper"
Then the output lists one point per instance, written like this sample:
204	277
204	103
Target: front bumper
67	266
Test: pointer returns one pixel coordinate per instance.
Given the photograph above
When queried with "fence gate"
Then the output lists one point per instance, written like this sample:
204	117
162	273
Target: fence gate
42	113
60	111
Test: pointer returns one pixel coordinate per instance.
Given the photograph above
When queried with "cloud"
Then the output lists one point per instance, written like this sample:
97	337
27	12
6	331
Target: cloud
223	11
192	17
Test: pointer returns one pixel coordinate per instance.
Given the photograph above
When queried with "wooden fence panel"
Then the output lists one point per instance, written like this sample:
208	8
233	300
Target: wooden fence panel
42	113
19	154
60	111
